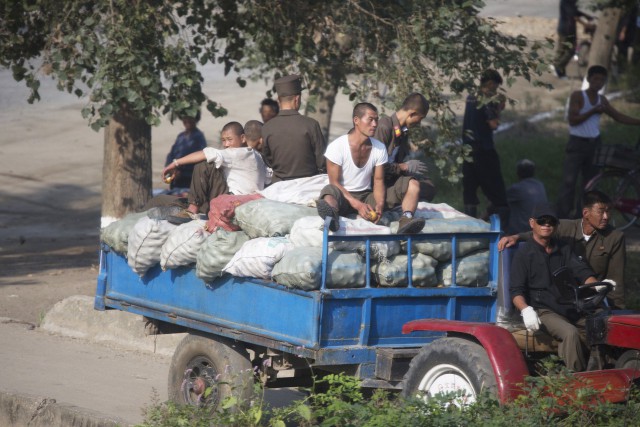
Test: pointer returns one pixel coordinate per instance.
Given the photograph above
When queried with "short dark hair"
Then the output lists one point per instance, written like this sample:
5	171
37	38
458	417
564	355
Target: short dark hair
253	130
490	75
525	168
361	109
270	103
416	101
593	197
195	117
596	69
235	127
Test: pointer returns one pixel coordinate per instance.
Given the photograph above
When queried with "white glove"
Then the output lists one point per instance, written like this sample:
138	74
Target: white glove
416	166
600	287
531	319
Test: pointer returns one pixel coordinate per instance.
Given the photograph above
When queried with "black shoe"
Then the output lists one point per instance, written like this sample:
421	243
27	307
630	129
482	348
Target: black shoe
181	217
326	210
410	225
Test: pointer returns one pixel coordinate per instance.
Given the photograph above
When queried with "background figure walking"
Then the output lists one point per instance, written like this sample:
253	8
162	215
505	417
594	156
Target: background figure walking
481	118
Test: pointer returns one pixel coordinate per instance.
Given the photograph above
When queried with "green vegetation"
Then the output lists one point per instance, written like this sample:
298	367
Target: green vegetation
544	143
345	404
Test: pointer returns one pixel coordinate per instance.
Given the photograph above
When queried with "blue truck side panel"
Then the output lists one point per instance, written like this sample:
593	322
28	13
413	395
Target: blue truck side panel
330	326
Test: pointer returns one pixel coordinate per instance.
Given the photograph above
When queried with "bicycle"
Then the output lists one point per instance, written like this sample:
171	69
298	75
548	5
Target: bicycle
620	180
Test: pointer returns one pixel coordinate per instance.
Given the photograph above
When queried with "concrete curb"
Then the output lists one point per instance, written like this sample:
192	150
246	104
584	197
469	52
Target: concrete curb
75	317
23	410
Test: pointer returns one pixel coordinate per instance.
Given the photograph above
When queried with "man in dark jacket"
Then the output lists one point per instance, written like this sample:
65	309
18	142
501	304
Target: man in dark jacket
593	240
293	144
541	300
393	132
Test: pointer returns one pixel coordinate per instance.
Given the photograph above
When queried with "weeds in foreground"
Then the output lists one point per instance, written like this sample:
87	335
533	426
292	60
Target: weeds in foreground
550	400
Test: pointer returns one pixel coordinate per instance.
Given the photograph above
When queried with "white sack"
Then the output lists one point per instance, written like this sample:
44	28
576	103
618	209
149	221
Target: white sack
257	257
183	244
472	271
438	210
302	269
116	234
216	251
307	231
268	218
393	272
301	191
145	243
441	249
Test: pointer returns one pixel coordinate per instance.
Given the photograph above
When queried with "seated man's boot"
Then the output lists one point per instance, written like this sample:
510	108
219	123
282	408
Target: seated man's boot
410	225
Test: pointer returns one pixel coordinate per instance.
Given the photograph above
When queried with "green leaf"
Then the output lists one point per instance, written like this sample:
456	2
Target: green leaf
278	423
229	402
304	412
257	416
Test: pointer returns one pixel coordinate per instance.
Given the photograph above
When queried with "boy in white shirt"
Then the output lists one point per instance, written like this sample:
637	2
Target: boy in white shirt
236	169
352	161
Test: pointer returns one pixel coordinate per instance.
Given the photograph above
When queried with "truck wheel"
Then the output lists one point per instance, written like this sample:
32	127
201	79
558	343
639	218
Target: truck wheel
205	370
630	359
450	365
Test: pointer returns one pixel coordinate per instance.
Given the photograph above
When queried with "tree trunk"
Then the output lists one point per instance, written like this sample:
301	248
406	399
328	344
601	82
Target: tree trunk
604	38
324	102
126	172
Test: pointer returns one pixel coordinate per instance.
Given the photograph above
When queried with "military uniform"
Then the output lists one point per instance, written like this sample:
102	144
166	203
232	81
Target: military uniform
605	253
396	139
293	145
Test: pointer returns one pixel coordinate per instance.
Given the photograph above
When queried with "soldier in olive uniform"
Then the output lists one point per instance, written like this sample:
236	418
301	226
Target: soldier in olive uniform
394	133
293	144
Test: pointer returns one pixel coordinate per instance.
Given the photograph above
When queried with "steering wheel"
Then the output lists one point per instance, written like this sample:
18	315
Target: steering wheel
590	303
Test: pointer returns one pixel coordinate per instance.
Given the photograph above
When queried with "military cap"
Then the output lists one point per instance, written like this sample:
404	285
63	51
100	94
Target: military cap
289	85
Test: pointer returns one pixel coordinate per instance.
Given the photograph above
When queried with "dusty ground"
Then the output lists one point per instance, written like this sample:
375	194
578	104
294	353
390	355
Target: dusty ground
51	163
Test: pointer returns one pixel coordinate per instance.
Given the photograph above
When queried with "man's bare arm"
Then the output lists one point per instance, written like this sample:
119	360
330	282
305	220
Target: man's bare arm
334	171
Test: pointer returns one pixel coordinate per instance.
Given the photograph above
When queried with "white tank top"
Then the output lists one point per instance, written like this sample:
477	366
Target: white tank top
590	128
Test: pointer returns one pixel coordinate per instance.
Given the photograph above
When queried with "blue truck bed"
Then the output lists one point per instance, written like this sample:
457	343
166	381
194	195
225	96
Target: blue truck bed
330	326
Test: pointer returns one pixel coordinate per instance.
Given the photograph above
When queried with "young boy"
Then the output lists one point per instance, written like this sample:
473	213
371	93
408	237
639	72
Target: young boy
235	169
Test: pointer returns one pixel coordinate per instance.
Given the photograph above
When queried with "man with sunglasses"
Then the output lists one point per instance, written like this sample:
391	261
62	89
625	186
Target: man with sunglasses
542	301
593	240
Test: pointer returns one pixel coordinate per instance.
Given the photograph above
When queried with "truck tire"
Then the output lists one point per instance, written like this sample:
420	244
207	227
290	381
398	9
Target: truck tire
630	359
450	365
200	363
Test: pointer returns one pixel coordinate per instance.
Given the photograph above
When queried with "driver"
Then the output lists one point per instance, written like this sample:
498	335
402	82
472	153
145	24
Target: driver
541	300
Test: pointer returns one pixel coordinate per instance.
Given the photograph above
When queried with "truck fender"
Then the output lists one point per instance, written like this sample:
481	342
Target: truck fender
506	358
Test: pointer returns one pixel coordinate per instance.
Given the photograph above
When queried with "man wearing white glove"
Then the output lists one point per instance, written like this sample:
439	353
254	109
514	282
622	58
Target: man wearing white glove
393	132
542	302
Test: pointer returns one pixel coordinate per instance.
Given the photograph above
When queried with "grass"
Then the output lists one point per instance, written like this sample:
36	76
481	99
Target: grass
544	143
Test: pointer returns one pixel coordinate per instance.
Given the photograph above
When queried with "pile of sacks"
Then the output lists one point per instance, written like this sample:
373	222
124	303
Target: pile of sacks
283	242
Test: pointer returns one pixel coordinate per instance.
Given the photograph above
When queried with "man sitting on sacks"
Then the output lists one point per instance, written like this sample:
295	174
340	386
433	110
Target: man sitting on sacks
352	160
237	169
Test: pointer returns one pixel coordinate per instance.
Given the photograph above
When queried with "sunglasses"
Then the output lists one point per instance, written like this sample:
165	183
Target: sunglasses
552	222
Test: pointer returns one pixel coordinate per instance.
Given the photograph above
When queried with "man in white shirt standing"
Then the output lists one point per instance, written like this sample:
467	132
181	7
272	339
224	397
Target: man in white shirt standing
585	109
352	161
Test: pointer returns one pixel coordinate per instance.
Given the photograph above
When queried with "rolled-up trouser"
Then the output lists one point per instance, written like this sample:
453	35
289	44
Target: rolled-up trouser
573	347
578	159
394	196
207	183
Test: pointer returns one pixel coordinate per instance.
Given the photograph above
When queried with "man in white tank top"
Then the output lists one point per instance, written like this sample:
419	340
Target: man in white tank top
585	109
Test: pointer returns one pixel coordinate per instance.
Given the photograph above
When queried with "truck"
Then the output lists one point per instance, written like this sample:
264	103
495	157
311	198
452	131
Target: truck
416	340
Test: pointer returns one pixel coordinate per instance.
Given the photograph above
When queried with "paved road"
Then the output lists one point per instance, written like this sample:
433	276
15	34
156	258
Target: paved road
100	361
106	379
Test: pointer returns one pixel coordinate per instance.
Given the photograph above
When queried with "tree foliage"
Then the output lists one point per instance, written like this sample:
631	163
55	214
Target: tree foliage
142	57
380	51
140	52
